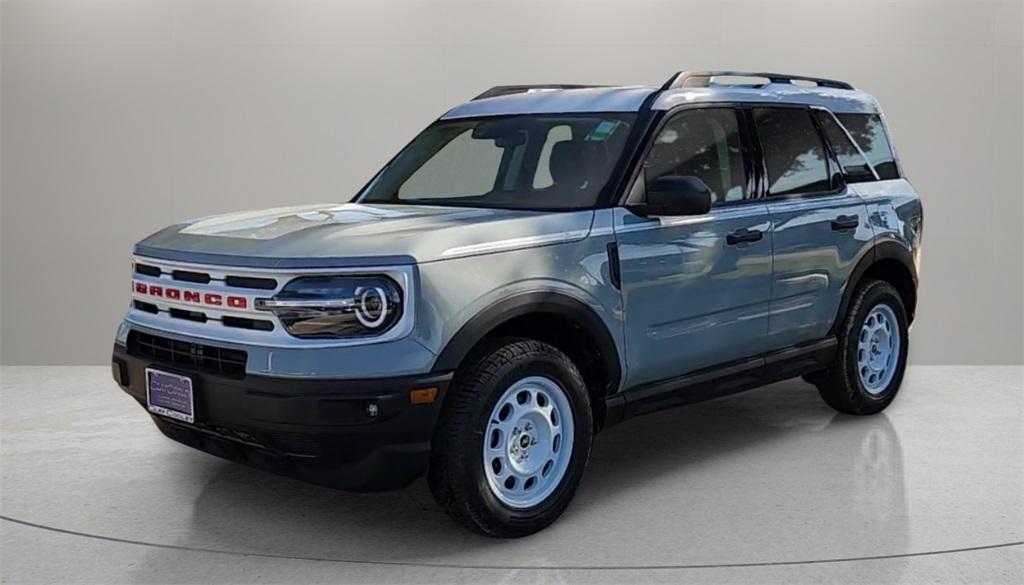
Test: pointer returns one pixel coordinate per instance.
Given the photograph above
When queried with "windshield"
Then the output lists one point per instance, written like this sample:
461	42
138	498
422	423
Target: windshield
514	162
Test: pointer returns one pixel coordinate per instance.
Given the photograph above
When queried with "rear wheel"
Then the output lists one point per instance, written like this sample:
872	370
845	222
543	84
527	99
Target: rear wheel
872	354
513	439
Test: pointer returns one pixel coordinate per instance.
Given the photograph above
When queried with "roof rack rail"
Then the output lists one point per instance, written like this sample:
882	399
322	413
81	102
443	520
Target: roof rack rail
703	79
500	90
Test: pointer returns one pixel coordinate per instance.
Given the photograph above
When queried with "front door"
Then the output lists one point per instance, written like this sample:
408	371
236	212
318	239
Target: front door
696	289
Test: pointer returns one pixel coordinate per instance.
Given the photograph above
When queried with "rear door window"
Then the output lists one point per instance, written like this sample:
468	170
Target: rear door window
869	132
794	152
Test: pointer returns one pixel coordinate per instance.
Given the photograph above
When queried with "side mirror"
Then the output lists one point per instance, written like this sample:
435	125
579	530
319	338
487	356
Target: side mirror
675	195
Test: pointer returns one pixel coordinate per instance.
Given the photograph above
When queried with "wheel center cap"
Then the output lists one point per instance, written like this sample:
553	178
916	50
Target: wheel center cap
526	436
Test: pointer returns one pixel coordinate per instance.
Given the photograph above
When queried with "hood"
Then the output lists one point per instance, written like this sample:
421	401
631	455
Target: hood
352	234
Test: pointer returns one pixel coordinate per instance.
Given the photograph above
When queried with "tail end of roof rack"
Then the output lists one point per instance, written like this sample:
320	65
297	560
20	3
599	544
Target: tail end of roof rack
500	90
705	79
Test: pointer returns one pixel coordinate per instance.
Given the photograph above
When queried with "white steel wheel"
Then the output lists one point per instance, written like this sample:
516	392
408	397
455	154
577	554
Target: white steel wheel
528	442
878	349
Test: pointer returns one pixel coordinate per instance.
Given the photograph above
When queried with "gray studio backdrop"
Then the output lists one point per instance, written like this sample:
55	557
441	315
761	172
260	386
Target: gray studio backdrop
121	117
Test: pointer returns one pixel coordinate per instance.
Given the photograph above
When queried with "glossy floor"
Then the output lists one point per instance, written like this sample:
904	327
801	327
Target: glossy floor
767	486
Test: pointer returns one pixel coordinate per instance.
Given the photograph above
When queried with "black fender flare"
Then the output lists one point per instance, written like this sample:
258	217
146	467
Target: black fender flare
487	320
887	250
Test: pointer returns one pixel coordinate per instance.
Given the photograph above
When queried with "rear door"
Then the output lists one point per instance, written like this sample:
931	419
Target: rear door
696	288
820	227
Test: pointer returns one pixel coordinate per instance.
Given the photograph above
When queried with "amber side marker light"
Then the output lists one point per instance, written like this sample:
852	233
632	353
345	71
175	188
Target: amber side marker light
423	395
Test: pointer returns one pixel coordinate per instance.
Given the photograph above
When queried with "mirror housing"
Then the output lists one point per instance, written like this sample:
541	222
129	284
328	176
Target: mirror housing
675	195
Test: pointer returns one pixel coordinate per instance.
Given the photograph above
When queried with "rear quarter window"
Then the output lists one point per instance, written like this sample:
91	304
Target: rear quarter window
869	132
856	168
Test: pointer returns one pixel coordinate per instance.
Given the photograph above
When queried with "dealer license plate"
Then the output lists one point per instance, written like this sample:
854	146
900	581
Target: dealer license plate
170	395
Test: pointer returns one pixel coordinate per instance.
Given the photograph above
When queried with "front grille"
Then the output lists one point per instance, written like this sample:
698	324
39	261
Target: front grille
215	303
184	354
197	316
147	270
185	275
147	307
246	323
251	282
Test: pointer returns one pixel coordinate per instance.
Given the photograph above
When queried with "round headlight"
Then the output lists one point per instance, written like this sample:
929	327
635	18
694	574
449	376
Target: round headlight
337	306
372	309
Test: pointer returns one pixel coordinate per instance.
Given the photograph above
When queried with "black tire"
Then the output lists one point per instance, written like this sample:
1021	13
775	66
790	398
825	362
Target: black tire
456	475
840	384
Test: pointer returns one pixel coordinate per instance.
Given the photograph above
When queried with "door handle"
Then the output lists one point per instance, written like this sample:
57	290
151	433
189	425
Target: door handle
845	222
743	235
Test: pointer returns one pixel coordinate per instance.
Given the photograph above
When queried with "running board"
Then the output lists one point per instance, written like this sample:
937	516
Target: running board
721	380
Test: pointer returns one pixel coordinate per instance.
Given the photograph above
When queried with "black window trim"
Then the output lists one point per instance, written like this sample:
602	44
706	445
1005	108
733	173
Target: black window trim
892	146
830	160
836	174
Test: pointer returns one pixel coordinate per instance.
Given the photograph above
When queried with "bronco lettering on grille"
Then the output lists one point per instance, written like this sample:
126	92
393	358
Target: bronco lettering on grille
190	296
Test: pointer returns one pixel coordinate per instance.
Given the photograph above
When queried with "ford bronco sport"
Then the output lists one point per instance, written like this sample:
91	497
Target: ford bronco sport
538	264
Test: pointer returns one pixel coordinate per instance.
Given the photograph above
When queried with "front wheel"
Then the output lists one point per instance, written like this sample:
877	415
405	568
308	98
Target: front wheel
513	439
868	367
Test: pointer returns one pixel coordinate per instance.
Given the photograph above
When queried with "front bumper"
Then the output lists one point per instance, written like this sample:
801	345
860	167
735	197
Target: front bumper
318	430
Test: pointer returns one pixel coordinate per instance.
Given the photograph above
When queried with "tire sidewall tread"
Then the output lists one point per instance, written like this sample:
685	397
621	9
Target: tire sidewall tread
840	384
456	475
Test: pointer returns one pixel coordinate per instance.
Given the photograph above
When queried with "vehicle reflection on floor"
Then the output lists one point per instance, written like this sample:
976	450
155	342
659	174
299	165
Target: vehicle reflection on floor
761	477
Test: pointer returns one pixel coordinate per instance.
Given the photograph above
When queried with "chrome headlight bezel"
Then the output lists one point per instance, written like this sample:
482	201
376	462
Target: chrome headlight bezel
338	306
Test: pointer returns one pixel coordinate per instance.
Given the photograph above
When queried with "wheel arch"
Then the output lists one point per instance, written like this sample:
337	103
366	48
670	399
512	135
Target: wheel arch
888	261
569	324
